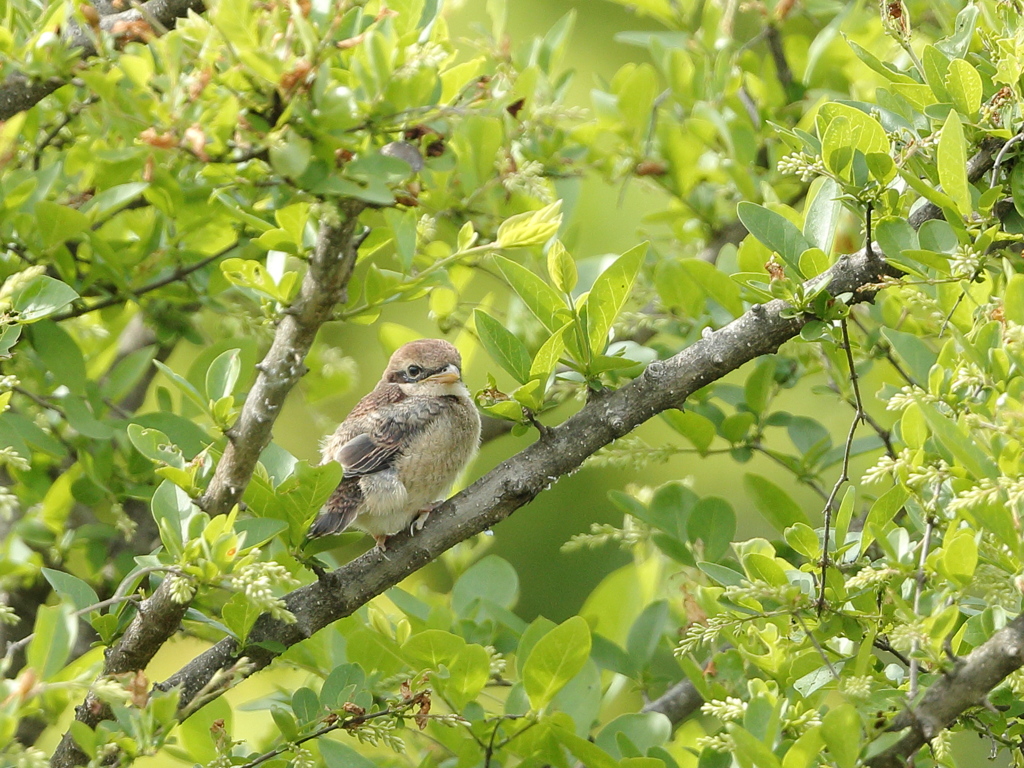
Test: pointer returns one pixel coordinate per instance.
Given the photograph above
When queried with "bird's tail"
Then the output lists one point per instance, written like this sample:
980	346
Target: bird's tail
340	510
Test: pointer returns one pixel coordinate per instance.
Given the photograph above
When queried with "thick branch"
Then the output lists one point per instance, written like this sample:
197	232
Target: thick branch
664	384
677	703
157	620
19	92
330	267
953	693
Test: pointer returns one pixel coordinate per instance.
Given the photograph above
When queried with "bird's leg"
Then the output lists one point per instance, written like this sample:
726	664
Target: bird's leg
420	518
380	541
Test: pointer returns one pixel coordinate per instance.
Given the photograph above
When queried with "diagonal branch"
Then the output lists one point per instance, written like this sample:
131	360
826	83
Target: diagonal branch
664	384
19	92
330	267
953	693
158	617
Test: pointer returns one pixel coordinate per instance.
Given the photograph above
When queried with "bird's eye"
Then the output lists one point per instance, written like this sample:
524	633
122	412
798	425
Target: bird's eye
413	371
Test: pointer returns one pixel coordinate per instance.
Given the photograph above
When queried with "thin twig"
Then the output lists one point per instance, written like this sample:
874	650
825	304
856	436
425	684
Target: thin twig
351	722
926	542
71	114
844	475
887	351
1001	154
178	274
765	452
882	643
42	402
817	646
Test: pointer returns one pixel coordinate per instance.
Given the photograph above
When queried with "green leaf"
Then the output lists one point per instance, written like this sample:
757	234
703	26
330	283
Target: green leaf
773	503
338	755
127	373
183	385
306	706
637	731
951	157
956	440
609	294
760	385
867	134
539	297
239	614
555	660
492	579
763	568
841	729
960	557
155	446
432	648
714	283
171	508
290	155
59	223
561	268
60	355
8	338
1013	299
698	429
751	752
259	530
40	297
223	374
546	359
341	685
55	631
71	588
912	352
837	148
530	228
711	527
467	675
775	231
964	86
503	346
583	750
646	632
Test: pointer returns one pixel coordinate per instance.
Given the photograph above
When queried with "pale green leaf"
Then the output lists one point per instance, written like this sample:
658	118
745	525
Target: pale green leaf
503	346
951	156
555	660
609	295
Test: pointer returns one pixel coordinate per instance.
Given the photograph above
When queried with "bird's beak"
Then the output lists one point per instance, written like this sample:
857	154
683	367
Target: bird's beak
448	375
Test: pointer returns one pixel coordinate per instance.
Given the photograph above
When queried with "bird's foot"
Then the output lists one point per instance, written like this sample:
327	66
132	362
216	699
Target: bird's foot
379	543
420	518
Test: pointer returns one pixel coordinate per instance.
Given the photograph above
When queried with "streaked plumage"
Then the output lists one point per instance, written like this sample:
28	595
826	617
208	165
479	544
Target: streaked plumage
403	444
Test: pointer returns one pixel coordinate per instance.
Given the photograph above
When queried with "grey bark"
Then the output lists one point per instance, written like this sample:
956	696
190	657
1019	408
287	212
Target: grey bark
19	92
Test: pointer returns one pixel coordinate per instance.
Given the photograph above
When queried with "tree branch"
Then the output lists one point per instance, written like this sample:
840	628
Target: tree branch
954	692
19	92
677	703
664	384
155	623
158	617
330	267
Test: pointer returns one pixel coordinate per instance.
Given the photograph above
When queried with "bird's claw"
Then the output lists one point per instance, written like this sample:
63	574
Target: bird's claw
420	518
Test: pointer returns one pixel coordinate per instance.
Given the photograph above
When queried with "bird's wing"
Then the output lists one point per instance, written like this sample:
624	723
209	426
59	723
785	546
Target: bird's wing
340	510
387	434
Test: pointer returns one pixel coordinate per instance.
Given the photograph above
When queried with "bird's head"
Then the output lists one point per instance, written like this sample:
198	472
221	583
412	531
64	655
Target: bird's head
426	367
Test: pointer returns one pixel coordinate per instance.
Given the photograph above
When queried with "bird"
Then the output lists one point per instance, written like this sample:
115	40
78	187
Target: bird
402	446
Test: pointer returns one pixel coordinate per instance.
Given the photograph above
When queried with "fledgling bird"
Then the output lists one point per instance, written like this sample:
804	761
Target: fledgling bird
403	444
